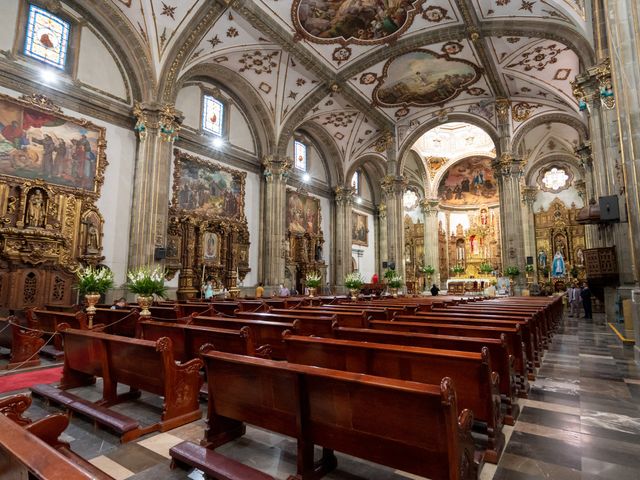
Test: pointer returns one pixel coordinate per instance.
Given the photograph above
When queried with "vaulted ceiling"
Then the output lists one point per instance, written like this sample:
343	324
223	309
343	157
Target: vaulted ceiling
358	68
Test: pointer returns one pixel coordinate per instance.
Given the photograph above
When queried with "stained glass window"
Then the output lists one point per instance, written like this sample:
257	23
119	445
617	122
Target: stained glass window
47	37
300	154
555	179
410	200
212	114
355	182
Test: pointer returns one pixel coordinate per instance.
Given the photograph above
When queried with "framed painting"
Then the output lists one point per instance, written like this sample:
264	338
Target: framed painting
359	229
210	247
37	141
206	189
303	213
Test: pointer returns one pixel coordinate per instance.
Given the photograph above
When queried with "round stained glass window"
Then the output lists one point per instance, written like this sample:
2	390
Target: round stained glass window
410	200
555	179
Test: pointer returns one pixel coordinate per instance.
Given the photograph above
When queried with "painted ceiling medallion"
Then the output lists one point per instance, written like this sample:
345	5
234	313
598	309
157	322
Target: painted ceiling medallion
423	78
363	22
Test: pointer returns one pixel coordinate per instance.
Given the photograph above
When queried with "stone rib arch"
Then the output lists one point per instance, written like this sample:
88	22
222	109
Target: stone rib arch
329	153
374	167
435	122
422	180
249	102
555	117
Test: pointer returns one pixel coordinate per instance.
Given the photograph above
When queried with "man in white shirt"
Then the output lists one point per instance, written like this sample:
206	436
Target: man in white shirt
573	294
284	291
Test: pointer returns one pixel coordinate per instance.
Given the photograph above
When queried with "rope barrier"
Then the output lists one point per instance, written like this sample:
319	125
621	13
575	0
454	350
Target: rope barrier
7	372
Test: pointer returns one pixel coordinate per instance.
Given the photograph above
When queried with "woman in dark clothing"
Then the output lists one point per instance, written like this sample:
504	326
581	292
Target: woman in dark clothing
434	290
585	294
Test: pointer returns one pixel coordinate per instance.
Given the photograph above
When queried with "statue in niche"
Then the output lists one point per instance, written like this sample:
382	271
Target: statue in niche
93	239
558	267
542	259
318	256
36	211
11	205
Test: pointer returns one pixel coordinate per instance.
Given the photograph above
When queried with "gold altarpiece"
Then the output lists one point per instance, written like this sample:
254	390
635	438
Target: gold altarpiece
208	236
51	172
558	231
303	245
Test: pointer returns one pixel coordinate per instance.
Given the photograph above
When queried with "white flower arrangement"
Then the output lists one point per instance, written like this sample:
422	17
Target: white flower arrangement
395	282
353	281
313	279
147	281
94	280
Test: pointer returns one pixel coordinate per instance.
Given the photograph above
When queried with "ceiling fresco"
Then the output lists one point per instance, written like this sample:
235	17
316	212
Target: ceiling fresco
360	68
469	182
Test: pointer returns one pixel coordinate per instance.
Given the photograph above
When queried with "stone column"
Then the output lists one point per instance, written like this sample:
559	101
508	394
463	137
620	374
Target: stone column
275	173
508	171
430	210
157	127
529	195
393	188
383	254
344	197
622	19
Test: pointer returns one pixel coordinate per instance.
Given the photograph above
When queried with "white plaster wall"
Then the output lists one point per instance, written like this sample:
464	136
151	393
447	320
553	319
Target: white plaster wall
568	196
239	131
8	23
368	259
96	66
188	102
116	194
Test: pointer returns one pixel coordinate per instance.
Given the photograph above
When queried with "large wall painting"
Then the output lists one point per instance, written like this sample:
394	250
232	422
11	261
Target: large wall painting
303	213
422	78
359	229
469	182
207	189
45	144
353	21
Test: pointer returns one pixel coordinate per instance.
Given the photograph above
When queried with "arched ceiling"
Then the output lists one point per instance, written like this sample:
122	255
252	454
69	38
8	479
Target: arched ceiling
359	68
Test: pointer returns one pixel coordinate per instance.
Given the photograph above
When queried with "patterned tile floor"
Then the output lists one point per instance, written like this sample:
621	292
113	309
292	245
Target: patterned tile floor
581	421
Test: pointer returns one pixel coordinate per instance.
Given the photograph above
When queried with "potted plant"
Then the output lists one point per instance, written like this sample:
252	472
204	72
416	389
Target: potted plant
389	273
394	284
353	282
485	268
92	283
528	269
458	270
146	282
313	280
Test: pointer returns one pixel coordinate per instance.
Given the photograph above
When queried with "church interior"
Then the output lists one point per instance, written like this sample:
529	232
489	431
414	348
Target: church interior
350	239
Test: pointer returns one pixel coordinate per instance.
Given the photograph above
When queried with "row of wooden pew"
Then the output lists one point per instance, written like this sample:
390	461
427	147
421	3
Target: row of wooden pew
342	375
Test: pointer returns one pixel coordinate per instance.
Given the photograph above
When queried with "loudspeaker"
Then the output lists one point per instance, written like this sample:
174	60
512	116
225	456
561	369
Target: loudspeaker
609	210
385	264
392	265
159	253
529	260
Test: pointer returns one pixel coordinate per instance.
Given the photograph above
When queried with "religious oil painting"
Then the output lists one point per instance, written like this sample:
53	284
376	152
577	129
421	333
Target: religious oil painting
423	78
37	143
469	182
359	229
211	247
206	189
303	213
353	21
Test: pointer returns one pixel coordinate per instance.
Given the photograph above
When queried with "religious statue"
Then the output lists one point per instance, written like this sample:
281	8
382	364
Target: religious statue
36	209
92	239
558	267
542	259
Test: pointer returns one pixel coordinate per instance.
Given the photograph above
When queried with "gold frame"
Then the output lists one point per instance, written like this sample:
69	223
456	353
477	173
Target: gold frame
354	222
319	209
42	104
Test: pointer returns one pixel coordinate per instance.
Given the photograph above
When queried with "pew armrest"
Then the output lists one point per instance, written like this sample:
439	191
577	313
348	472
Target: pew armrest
49	429
14	406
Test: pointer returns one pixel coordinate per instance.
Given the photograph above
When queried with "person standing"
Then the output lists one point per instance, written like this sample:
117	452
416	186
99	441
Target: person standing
259	290
575	300
585	294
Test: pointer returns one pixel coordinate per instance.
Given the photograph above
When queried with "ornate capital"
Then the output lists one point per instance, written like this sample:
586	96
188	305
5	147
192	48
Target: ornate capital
429	206
502	109
382	210
581	187
162	119
391	184
507	166
529	195
345	195
593	85
276	167
383	142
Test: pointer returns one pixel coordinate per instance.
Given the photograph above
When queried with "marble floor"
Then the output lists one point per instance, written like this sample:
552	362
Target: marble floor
581	421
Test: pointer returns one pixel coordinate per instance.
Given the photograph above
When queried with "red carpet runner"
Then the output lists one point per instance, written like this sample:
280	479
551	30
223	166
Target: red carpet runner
19	381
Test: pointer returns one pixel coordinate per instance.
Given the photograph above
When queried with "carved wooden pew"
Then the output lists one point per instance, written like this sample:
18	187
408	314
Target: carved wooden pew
529	338
501	361
140	364
32	449
356	319
360	415
266	333
308	324
512	335
253	306
375	312
476	383
22	344
187	340
117	321
165	312
49	321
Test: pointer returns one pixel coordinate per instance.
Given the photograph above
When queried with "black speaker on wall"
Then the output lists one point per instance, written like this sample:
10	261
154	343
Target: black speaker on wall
385	264
609	210
160	253
392	265
529	260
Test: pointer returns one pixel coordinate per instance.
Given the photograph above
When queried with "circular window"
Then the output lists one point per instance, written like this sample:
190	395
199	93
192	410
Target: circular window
555	179
410	200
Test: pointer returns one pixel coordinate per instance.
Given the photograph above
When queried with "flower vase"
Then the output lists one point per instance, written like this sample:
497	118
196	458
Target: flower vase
91	298
394	292
312	292
145	301
354	293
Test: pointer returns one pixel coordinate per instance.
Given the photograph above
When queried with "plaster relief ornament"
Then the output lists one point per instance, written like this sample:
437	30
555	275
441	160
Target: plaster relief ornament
423	78
364	22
